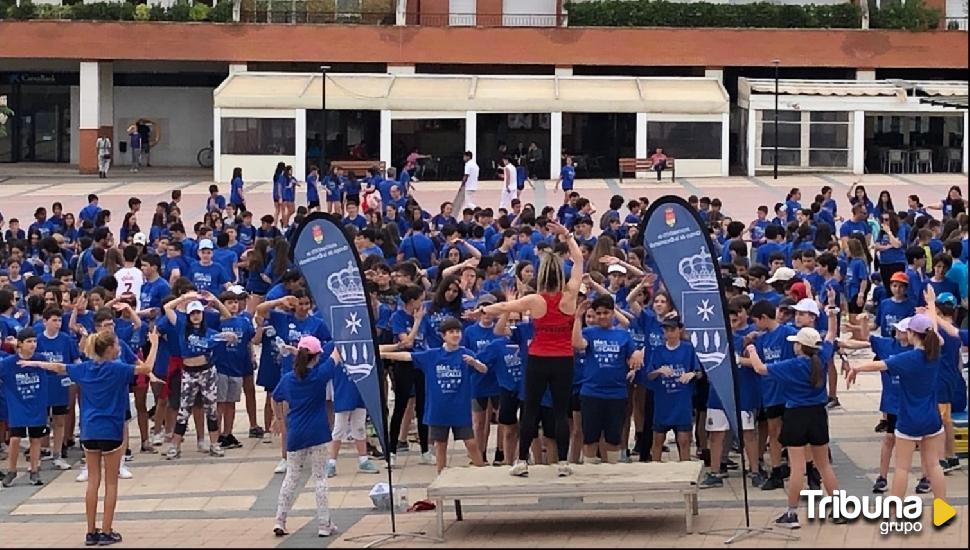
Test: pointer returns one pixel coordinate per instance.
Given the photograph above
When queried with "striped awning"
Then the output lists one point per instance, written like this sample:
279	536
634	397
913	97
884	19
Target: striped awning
953	102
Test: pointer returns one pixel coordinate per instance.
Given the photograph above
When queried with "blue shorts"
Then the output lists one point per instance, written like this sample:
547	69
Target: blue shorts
686	428
334	198
567	185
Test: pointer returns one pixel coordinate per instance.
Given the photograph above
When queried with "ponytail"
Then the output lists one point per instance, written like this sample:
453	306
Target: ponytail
97	344
816	377
931	345
302	362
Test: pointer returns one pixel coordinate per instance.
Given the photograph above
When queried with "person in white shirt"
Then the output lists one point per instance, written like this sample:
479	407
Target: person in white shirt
129	277
103	146
508	184
469	181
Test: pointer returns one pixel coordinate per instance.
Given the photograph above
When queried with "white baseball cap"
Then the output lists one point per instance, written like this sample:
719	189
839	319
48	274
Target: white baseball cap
616	268
807	305
807	337
782	274
205	244
902	325
194	306
139	238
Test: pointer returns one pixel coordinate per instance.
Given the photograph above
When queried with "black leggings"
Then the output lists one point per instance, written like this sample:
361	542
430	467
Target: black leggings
406	377
557	374
647	425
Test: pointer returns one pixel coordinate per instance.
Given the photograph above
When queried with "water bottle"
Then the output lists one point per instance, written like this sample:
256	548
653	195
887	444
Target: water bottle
280	345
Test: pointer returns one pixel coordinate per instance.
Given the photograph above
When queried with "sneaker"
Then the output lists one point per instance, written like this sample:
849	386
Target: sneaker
427	459
563	469
35	479
880	486
172	453
256	432
216	450
625	457
232	442
128	455
45	455
758	479
788	520
327	530
8	479
832	403
91	539
881	426
331	469
267	438
705	455
923	486
107	539
950	464
374	452
124	472
729	465
367	467
499	458
785	471
60	464
773	483
711	481
147	448
723	474
83	475
403	446
519	469
280	531
280	467
814	479
202	446
158	439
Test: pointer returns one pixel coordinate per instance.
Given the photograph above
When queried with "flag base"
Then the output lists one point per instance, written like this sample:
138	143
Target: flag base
387	537
741	533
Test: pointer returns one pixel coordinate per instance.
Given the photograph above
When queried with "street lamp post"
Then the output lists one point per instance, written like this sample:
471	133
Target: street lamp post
776	62
323	117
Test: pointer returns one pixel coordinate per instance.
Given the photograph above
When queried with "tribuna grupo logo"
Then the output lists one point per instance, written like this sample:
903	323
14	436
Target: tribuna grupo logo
895	515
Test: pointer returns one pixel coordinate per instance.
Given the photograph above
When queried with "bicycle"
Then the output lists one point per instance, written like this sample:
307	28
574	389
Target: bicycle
204	156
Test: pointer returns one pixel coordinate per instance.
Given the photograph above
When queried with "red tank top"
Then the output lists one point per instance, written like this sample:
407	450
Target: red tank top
553	331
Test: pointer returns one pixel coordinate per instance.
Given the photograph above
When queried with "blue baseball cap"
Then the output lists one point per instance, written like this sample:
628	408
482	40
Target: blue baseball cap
946	298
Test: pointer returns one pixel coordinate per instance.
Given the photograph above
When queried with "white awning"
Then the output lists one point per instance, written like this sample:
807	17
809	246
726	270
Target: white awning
460	93
851	88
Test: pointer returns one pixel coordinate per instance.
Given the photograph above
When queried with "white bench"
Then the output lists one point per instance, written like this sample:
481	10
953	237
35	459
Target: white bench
467	483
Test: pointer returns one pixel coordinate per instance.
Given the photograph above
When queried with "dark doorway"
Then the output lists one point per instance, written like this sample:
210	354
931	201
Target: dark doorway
441	140
514	131
596	141
350	135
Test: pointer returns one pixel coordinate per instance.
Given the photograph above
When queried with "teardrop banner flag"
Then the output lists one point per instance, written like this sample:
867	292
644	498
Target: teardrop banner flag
331	266
681	250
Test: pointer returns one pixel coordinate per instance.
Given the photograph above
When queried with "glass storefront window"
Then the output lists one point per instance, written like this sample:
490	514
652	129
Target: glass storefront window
258	136
686	140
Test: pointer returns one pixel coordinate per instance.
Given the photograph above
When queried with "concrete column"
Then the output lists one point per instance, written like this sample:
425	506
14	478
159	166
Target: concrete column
640	146
299	165
238	68
89	116
386	137
216	144
725	144
555	143
858	147
714	72
400	69
564	70
752	140
966	127
865	74
471	133
106	103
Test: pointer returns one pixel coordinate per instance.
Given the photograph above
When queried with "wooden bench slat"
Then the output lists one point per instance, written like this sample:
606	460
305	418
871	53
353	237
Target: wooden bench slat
628	165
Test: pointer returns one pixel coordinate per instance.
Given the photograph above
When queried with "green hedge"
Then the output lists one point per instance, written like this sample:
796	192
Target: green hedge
121	11
659	13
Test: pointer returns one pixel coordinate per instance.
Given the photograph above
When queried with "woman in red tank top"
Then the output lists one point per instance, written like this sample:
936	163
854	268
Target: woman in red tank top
550	363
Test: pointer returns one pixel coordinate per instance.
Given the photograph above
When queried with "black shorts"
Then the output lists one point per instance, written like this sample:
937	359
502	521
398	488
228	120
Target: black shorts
853	305
313	204
508	407
33	432
101	445
603	418
241	207
805	426
57	410
440	433
701	390
479	404
547	422
575	403
890	423
774	411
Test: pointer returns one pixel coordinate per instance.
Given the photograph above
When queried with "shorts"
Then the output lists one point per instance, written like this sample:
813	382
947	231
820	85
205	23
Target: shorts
351	425
353	197
774	411
141	381
890	423
101	445
945	412
853	305
603	417
313	204
333	198
717	421
228	388
805	426
547	422
33	432
575	403
663	429
57	410
567	185
901	435
508	407
174	364
702	389
479	404
440	433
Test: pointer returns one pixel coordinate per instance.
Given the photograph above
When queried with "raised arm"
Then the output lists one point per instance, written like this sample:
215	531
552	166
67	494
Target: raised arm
577	336
57	368
630	268
263	309
533	303
146	366
171	306
756	363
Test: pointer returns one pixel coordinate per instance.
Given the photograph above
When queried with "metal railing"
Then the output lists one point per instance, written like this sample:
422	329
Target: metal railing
486	19
302	12
955	23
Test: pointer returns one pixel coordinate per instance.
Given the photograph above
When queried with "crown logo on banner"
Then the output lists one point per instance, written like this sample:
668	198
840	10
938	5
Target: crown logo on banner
346	285
699	271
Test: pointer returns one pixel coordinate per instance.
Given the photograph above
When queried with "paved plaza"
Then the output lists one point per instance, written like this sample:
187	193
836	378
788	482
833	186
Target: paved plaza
230	502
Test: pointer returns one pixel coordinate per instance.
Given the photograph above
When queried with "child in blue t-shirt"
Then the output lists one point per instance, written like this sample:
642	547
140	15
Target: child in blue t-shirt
672	368
448	390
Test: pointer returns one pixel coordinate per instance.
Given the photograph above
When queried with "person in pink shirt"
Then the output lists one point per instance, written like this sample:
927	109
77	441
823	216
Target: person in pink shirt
658	161
412	163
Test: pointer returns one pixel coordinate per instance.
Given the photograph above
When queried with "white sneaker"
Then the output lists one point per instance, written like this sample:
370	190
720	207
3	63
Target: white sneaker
216	450
158	440
61	464
280	468
83	476
563	469
202	446
124	472
427	459
267	437
519	469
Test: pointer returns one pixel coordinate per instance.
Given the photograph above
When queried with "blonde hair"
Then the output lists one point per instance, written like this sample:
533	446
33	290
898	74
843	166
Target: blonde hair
549	276
97	344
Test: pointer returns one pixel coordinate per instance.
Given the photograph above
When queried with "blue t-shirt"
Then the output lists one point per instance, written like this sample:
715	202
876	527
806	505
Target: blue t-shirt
25	390
477	338
884	347
893	255
312	195
568	175
306	420
856	272
418	246
196	344
401	323
918	412
891	312
359	221
346	396
212	277
431	324
59	349
153	292
605	366
852	227
447	386
773	346
673	400
793	377
234	359
236	186
288	327
104	397
749	382
505	360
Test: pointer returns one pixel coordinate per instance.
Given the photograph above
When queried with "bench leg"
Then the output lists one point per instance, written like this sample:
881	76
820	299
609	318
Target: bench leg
440	508
693	502
458	514
688	513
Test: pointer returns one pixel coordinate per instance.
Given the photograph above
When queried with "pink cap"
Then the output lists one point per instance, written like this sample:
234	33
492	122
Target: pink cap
920	323
310	343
